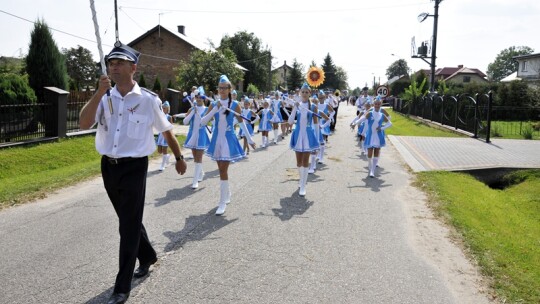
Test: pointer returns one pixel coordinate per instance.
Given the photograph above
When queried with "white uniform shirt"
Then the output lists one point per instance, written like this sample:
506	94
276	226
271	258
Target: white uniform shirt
128	131
361	101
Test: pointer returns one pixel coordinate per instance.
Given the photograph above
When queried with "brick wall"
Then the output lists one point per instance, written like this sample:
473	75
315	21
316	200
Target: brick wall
167	46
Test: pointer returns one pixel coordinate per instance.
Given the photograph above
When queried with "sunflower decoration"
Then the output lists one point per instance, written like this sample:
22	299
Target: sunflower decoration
315	76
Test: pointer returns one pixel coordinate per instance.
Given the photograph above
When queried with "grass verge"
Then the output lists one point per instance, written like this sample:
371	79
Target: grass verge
501	228
30	172
404	126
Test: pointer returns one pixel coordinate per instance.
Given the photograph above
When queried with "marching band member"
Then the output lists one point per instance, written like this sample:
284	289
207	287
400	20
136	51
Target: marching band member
224	146
197	139
303	139
264	124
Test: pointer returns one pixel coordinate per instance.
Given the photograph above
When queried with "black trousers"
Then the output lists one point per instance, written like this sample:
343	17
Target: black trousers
125	184
333	123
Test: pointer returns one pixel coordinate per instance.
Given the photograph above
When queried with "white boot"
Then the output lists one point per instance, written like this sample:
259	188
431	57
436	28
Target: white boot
300	176
163	161
223	195
201	172
167	157
275	136
321	155
312	164
195	183
303	180
370	167
376	162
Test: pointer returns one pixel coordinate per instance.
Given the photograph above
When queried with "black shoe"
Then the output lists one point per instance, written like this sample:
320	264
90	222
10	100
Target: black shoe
118	298
143	269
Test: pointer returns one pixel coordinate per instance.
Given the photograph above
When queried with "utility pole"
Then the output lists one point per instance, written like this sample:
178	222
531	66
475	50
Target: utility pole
434	46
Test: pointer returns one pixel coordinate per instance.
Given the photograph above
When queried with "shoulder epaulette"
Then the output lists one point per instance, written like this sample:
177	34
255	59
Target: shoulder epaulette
148	91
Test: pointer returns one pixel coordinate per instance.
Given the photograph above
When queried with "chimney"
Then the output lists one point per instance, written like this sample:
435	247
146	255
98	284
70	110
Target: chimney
181	29
460	66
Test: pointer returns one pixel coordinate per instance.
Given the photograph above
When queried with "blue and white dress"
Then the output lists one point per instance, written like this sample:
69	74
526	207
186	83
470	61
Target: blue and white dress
161	141
264	123
276	108
323	107
197	137
303	137
247	113
374	138
224	145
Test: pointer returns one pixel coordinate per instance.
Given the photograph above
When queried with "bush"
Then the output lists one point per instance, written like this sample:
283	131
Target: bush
14	89
527	132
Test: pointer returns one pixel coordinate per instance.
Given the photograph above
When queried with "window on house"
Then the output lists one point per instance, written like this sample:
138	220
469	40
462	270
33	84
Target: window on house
524	66
466	78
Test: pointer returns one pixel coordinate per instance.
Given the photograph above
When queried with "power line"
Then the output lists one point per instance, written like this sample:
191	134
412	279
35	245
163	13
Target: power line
275	12
56	30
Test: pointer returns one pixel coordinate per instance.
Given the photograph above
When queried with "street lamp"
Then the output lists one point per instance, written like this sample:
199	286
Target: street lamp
421	18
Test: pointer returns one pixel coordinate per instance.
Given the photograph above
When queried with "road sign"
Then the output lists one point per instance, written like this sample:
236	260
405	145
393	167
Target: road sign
383	91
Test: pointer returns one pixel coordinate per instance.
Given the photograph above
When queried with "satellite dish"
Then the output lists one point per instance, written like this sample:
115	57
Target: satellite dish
422	17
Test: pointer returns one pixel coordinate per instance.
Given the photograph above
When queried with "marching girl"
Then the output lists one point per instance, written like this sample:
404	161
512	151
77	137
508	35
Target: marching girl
325	125
277	118
224	146
376	123
197	139
361	133
284	114
303	139
264	124
248	113
161	142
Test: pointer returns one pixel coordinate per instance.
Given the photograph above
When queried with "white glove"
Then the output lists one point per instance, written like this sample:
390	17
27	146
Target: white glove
188	117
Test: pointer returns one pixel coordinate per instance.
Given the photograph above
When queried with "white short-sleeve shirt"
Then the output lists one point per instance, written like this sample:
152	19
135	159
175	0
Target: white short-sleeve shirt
128	130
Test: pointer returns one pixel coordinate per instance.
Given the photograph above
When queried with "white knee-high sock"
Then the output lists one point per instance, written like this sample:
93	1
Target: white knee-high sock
321	154
375	162
275	135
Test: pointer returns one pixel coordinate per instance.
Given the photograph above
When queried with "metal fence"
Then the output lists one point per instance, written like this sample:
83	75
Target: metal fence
55	116
23	122
474	114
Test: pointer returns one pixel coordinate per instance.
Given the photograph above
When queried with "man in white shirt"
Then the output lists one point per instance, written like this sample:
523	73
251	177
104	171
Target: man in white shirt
125	138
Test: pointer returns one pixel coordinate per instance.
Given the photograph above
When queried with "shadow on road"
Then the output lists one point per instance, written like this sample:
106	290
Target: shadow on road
196	228
292	206
184	192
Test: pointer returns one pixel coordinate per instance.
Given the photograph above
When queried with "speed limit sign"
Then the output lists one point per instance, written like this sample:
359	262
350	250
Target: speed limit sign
383	91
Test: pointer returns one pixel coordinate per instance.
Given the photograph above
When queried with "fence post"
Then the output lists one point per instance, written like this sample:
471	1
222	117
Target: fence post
488	129
442	111
173	96
476	99
56	121
456	114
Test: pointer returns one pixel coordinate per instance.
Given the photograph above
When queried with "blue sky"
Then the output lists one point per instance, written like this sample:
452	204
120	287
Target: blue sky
361	36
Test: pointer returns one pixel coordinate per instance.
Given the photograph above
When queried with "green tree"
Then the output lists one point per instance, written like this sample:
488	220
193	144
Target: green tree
414	92
504	63
170	84
157	85
296	77
45	65
398	68
250	54
341	78
81	68
14	90
329	68
252	90
11	65
142	81
204	68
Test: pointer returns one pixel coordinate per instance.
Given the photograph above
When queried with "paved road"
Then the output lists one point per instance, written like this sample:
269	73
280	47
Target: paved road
454	154
347	241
